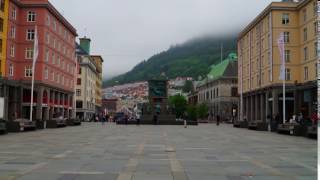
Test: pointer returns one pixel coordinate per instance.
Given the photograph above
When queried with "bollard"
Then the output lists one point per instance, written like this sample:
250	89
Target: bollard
185	123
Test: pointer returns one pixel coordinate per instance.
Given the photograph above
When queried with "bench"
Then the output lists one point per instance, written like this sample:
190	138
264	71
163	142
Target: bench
291	129
258	126
56	123
20	125
3	127
312	131
73	122
240	124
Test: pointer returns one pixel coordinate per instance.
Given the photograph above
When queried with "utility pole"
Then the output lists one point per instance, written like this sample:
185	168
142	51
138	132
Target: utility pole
221	48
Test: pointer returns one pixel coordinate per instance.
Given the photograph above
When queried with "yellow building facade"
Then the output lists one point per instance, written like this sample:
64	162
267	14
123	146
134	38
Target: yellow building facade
98	61
259	61
4	14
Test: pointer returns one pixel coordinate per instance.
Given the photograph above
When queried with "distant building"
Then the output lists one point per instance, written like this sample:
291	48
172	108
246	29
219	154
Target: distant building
89	81
110	105
219	90
259	61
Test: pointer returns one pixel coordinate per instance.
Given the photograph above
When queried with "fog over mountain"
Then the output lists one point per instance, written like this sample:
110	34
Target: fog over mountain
125	32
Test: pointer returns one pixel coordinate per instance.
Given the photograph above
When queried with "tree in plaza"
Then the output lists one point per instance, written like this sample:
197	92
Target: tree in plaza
202	111
192	112
188	87
179	104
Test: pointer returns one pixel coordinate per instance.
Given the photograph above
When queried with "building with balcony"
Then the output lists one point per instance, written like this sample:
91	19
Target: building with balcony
55	66
259	61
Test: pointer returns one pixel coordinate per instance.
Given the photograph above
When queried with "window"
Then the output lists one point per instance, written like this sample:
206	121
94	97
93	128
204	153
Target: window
13	32
58	78
305	52
286	37
30	34
48	20
68	68
316	49
285	18
79	104
305	34
11	69
59	46
54	25
62	81
305	73
316	71
234	92
47	55
78	92
31	16
288	74
58	61
46	73
315	8
270	75
52	76
54	43
315	24
2	5
14	13
29	53
62	65
53	58
287	55
80	70
47	38
12	51
304	15
60	30
28	71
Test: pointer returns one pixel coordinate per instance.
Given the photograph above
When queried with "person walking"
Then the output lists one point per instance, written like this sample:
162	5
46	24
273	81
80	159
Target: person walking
138	116
218	120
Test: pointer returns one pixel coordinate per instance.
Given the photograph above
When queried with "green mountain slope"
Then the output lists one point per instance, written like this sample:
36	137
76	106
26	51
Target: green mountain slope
191	59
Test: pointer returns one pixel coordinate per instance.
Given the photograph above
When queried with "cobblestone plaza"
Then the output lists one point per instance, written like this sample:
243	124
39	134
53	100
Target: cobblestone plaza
112	152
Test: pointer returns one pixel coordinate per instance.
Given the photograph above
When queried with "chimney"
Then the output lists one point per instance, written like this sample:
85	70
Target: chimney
85	44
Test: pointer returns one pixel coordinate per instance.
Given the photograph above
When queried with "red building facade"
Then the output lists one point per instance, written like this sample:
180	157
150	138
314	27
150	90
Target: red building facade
56	62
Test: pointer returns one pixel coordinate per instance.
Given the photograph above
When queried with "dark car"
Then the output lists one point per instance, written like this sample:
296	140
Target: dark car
119	116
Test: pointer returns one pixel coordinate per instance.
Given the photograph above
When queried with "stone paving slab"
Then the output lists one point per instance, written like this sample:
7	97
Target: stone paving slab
204	152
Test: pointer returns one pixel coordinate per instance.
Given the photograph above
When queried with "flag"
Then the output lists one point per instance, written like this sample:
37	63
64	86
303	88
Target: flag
282	57
35	48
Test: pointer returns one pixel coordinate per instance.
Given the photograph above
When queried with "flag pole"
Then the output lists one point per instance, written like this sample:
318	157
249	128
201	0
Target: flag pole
284	101
281	45
284	82
35	56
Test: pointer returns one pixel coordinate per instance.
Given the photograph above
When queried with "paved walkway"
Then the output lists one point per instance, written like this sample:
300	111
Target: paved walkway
205	152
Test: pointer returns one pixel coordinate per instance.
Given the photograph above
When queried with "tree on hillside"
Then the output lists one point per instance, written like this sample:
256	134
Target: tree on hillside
179	105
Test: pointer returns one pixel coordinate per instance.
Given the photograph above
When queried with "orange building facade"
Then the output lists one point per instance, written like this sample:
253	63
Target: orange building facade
55	66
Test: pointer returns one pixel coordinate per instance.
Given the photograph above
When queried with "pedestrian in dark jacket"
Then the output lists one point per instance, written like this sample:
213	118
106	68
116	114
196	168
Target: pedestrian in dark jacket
218	120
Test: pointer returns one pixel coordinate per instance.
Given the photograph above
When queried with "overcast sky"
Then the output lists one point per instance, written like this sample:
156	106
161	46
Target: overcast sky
126	32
